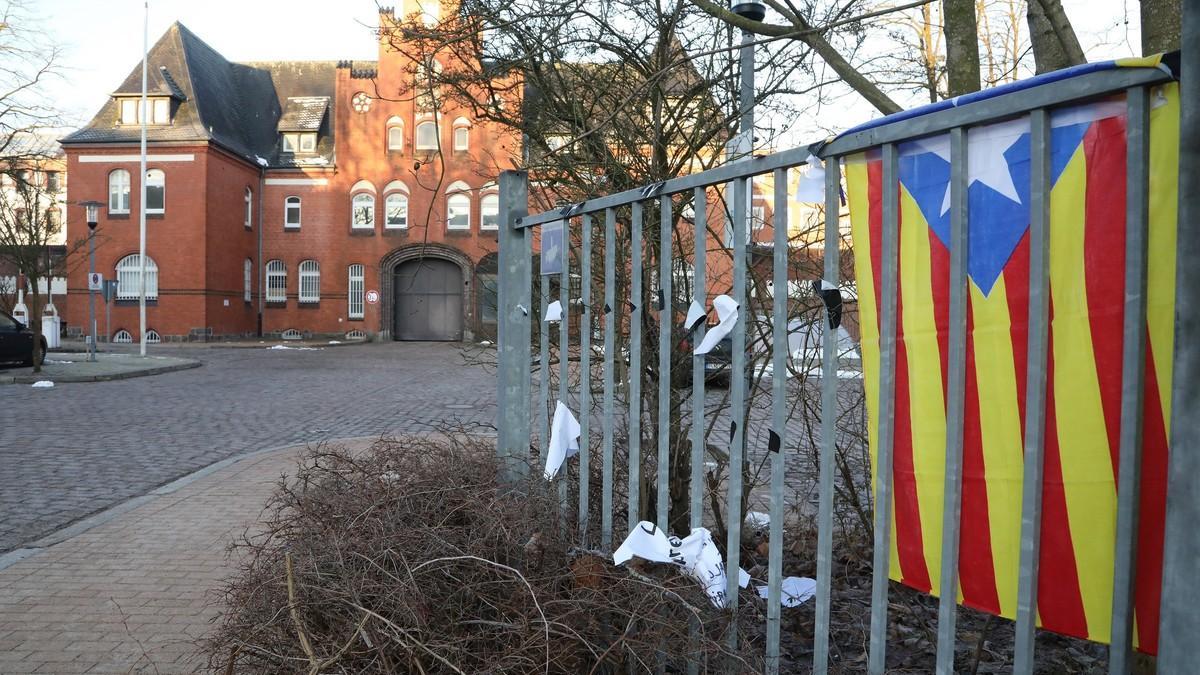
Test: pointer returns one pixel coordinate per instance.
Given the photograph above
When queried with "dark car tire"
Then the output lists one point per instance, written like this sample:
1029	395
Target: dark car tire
39	348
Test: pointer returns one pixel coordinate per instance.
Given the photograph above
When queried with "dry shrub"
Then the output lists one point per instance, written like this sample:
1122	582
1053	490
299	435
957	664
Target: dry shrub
408	558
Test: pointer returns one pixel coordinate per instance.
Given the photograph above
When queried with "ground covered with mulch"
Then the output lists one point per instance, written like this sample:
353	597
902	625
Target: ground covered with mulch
411	558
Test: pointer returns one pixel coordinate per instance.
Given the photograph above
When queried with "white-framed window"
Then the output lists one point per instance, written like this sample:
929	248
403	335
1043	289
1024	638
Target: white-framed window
248	211
362	208
758	217
462	134
308	142
122	337
292	334
310	281
395	134
356	335
489	212
156	191
118	191
247	270
426	135
458	212
129	110
291	142
162	110
395	207
129	276
291	212
354	297
276	281
152	336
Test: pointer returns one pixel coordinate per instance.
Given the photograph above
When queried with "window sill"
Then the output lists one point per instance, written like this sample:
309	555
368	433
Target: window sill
395	231
276	303
356	319
362	232
134	302
308	304
291	228
118	216
458	232
155	216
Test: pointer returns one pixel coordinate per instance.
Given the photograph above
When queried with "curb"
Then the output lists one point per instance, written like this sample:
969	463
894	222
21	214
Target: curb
145	372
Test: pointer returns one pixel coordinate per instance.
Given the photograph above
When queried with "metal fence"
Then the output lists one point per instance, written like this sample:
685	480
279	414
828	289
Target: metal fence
517	311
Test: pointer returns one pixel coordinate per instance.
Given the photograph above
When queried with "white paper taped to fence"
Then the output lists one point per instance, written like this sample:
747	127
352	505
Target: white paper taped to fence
794	591
727	312
812	184
564	439
695	553
695	314
554	311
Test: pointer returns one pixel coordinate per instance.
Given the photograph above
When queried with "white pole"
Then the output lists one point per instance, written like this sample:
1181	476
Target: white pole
144	112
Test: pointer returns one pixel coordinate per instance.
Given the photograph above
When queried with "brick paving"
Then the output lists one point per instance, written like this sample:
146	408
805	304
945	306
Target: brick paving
75	449
133	595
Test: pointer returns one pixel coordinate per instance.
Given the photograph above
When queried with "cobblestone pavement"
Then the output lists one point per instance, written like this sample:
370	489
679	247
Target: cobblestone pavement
75	449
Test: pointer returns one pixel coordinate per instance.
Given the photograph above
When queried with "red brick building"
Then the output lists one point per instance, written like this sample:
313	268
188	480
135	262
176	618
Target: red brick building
310	196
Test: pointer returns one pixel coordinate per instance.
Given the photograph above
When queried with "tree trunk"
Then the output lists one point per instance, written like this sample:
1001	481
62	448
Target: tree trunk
1160	25
1051	36
962	47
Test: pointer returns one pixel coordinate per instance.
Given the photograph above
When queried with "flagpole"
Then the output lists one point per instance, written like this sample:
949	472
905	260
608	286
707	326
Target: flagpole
142	182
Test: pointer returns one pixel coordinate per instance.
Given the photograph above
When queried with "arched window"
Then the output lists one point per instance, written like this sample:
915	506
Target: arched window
396	208
462	134
276	281
247	270
156	191
395	134
152	336
363	210
291	212
427	135
118	191
458	212
122	337
310	281
248	219
489	212
129	276
354	302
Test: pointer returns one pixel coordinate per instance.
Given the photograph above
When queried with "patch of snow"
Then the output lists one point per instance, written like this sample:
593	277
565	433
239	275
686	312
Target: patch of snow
486	343
261	161
42	384
57	362
335	342
299	349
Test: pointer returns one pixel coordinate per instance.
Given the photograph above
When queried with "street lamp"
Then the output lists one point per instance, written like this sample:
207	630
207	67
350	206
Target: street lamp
93	216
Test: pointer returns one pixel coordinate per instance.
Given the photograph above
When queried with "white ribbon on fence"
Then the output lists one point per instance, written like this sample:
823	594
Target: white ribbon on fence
564	439
727	312
553	311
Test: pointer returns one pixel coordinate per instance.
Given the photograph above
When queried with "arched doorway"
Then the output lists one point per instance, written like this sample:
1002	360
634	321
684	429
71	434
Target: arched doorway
428	300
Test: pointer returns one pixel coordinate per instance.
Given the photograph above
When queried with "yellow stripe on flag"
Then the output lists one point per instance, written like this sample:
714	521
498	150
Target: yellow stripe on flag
1164	196
858	198
927	408
1000	431
1082	437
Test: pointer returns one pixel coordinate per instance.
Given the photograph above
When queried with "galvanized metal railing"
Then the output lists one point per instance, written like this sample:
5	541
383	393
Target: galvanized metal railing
515	358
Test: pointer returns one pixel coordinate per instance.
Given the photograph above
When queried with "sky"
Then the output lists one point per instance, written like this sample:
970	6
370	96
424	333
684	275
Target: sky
102	39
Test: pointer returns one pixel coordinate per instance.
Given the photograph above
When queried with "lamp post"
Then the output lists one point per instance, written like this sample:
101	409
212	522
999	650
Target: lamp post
93	215
754	11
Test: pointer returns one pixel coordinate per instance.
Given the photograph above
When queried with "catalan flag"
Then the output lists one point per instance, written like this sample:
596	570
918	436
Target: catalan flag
1087	285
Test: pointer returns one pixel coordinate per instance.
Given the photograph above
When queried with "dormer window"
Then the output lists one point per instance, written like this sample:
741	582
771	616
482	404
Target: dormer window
299	142
160	110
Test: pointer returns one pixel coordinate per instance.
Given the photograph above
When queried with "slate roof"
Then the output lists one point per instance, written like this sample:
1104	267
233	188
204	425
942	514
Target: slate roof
238	106
303	113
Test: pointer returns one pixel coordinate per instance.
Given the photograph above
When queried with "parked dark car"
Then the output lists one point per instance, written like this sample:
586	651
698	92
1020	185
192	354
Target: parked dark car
19	344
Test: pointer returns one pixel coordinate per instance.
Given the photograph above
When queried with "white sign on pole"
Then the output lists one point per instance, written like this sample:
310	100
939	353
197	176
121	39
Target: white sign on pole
95	281
372	297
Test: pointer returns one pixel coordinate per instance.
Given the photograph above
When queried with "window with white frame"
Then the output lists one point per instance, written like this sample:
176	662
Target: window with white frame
354	302
248	208
156	191
152	336
362	208
310	281
489	212
458	212
758	217
247	270
396	211
395	134
122	337
426	135
462	134
160	110
118	191
276	281
308	142
291	212
129	278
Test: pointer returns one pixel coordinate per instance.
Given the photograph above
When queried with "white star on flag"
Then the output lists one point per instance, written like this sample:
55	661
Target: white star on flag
985	156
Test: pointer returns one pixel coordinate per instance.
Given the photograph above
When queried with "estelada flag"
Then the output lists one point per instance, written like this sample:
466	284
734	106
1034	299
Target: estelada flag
1083	396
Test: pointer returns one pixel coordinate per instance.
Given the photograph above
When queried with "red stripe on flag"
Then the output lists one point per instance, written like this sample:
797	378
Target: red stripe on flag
1104	264
909	542
976	567
939	279
1016	285
1152	513
1059	601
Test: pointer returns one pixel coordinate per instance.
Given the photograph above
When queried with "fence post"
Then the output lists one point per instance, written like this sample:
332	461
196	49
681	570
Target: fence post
1180	622
514	301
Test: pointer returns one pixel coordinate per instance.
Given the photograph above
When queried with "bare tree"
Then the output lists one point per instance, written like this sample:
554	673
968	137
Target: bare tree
1160	25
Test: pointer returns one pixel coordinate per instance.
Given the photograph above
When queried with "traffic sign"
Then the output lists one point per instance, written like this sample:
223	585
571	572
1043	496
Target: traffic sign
552	247
95	281
372	297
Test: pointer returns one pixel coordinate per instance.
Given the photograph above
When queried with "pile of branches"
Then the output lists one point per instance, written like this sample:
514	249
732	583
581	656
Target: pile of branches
412	557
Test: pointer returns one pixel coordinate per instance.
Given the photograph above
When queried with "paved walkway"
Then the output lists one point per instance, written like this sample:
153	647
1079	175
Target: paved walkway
133	594
74	367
